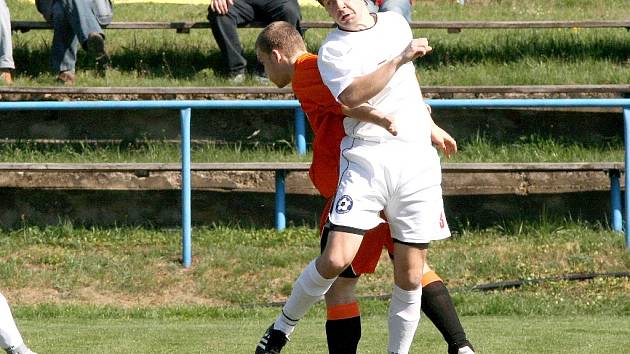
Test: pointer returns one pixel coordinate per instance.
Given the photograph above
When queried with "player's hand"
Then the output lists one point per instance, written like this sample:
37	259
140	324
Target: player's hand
443	141
221	6
388	124
417	48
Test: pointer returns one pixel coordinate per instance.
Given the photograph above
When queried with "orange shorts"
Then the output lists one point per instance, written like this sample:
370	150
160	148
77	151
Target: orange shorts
371	248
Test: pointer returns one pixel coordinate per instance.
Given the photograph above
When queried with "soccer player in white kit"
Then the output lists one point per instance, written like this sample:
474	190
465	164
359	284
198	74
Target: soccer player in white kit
10	339
400	175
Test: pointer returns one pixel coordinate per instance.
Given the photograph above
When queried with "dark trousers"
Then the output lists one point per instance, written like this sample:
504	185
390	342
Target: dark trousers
243	12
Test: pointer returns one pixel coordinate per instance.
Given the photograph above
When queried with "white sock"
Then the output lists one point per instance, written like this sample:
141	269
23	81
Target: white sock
404	316
307	290
9	334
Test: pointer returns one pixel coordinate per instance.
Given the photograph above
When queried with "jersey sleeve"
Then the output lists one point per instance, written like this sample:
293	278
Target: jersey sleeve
315	98
336	70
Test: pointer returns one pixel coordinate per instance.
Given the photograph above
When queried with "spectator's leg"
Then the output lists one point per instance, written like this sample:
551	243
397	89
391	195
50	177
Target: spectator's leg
279	10
6	43
81	18
224	29
64	46
403	7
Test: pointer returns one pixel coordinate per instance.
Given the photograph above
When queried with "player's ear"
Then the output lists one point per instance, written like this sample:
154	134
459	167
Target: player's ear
276	56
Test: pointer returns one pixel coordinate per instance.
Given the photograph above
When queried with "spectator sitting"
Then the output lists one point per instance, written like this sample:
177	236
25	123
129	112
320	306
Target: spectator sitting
6	45
402	7
226	15
74	22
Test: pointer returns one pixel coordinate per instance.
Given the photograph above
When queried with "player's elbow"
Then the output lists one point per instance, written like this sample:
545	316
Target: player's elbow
349	99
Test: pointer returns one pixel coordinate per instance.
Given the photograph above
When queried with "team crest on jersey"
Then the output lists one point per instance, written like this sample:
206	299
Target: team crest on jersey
344	204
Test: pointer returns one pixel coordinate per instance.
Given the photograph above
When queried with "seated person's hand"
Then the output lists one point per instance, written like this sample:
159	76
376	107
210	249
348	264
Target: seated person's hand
220	6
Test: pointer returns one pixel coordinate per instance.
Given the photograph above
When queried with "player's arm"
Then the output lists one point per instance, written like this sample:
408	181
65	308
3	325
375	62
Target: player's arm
365	87
442	140
367	113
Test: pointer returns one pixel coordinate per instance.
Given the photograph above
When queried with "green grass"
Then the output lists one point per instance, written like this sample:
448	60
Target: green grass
80	290
473	57
478	148
140	267
149	151
490	334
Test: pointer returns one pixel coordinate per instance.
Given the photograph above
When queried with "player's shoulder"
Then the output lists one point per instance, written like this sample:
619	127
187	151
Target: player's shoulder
391	18
335	45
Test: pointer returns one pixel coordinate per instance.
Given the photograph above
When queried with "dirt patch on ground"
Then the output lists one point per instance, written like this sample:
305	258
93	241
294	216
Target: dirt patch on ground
176	295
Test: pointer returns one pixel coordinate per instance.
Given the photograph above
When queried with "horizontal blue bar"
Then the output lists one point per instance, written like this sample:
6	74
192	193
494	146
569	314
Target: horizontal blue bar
292	104
195	104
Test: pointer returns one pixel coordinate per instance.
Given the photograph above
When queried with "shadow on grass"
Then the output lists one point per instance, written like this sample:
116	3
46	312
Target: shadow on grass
509	47
186	63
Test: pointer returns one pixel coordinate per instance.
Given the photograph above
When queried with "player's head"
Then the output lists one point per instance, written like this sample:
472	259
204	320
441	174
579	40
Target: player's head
348	14
277	47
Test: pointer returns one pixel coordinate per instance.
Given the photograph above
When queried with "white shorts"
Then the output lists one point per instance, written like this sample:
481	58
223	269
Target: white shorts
403	179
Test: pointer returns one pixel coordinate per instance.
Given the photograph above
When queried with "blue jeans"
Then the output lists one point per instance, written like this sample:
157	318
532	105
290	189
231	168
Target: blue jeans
6	44
403	7
72	21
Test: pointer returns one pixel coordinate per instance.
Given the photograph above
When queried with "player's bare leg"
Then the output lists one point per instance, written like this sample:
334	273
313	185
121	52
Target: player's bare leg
343	318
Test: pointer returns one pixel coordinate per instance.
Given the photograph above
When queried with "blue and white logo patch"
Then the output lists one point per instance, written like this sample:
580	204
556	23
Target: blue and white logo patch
344	204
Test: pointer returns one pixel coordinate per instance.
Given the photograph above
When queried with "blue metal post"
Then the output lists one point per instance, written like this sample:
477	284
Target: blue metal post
300	131
615	201
186	202
281	221
626	141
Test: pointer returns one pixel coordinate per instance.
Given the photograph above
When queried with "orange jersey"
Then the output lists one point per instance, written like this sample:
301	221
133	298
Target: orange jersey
326	119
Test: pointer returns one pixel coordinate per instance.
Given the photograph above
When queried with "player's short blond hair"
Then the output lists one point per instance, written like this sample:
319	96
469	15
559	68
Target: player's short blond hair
282	36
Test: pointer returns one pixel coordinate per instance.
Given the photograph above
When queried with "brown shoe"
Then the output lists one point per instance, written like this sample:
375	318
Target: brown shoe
5	76
96	47
66	77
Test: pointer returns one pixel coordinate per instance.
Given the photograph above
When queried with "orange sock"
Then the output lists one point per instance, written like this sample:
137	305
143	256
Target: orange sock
430	277
343	311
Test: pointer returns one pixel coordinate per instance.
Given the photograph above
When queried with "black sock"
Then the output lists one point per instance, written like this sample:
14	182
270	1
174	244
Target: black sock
343	335
438	306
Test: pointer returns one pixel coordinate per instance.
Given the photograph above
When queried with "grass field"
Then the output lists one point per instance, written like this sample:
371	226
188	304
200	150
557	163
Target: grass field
490	334
132	267
76	289
79	290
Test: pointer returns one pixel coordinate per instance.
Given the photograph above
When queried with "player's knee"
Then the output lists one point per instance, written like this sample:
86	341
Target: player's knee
409	281
331	265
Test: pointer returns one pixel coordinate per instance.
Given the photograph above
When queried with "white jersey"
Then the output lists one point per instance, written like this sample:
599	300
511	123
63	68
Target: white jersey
346	55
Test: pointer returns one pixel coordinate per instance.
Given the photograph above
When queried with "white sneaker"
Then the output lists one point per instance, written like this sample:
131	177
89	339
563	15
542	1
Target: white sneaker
465	350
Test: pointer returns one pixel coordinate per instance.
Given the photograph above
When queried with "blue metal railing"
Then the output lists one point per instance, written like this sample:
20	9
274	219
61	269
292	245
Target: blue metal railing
185	116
